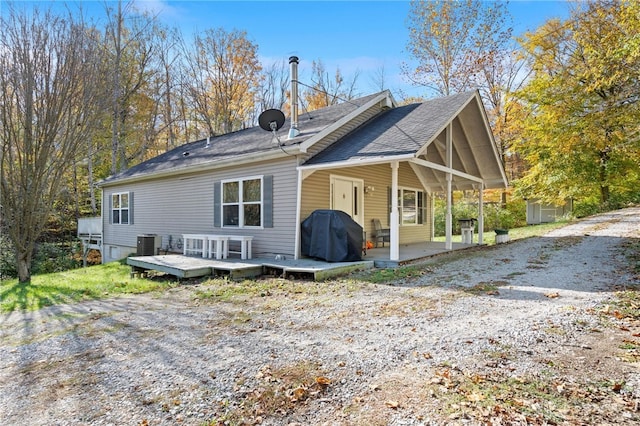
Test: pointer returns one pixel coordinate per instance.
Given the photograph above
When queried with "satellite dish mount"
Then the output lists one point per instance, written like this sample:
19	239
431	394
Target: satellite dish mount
271	120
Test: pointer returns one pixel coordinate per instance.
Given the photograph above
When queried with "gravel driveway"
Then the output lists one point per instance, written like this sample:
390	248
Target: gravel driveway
521	333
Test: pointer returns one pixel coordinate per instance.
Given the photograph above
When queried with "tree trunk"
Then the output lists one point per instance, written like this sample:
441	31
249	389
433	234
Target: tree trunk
24	266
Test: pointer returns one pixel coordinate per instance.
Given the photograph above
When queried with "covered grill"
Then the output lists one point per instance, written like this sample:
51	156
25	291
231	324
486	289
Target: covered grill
331	235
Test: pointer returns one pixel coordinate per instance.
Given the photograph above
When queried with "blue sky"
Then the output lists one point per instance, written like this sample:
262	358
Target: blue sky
352	35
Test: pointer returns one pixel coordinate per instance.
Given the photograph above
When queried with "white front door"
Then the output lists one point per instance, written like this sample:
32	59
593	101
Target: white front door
347	195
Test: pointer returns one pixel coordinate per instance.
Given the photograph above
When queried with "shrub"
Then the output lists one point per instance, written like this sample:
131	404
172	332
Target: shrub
53	257
495	216
7	258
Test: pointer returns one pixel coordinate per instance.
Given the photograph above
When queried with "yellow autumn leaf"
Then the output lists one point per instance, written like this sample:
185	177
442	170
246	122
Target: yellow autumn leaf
323	381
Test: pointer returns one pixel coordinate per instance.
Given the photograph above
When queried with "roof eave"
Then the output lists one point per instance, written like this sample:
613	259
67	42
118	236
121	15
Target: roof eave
209	165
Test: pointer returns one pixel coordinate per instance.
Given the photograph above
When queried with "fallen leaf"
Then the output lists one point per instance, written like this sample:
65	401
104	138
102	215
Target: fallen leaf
298	394
475	397
392	404
323	381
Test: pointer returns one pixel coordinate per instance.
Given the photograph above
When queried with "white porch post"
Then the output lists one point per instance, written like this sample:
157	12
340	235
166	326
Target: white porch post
481	214
394	239
449	218
296	255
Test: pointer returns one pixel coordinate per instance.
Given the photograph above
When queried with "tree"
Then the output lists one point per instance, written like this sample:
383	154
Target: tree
454	42
326	91
131	46
274	87
582	105
49	103
224	73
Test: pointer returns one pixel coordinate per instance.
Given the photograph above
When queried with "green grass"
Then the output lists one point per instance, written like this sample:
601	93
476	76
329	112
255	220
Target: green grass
514	233
94	282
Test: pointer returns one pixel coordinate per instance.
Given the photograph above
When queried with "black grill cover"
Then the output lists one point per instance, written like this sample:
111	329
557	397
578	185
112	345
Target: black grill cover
331	235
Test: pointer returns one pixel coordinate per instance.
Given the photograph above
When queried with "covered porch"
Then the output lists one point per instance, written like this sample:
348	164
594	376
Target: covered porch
436	147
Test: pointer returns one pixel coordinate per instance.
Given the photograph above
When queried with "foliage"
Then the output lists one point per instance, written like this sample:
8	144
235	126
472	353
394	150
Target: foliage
54	257
495	216
455	43
224	73
580	121
48	105
327	91
94	282
7	258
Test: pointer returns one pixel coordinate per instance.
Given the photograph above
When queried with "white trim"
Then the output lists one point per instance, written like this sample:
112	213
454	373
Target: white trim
487	127
416	191
296	255
241	203
447	124
359	218
446	169
120	209
394	238
356	163
304	146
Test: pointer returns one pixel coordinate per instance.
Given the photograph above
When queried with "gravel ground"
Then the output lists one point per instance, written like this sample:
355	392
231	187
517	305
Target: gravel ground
520	333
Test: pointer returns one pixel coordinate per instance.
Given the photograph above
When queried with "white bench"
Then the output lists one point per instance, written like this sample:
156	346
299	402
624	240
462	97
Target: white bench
209	245
218	245
195	244
245	246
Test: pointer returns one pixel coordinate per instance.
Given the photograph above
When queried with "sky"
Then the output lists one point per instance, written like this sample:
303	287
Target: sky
354	36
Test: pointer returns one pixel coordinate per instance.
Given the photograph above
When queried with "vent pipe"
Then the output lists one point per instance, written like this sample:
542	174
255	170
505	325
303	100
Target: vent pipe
293	132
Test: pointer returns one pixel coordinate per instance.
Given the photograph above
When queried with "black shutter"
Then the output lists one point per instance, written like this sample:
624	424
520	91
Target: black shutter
110	212
130	208
217	204
267	203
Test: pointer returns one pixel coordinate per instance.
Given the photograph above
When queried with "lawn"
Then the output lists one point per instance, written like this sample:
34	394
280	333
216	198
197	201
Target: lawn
113	278
93	282
514	233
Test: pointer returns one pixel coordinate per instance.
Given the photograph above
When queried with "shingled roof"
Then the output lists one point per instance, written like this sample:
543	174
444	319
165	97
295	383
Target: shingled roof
237	147
409	132
398	131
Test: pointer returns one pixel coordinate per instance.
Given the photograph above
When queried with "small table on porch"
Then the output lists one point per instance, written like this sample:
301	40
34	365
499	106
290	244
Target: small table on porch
245	246
218	245
194	243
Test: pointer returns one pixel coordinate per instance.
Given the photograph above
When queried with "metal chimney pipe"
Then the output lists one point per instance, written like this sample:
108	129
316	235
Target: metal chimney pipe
293	132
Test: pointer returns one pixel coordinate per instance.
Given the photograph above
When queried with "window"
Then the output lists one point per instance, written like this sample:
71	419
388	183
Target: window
121	203
242	202
412	206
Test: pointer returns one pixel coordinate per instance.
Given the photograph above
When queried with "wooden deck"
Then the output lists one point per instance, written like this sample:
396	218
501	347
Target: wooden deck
190	267
196	266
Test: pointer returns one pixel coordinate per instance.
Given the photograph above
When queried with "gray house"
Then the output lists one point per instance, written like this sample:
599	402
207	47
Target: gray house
352	157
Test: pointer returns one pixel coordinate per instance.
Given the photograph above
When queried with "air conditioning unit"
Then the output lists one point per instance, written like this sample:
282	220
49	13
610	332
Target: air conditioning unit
148	244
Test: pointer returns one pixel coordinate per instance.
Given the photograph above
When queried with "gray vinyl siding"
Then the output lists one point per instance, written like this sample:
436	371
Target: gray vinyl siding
316	195
184	204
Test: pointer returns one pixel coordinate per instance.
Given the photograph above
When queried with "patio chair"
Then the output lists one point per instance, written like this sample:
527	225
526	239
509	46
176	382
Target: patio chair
380	234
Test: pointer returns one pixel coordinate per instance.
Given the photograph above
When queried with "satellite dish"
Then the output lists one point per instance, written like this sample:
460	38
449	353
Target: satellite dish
271	120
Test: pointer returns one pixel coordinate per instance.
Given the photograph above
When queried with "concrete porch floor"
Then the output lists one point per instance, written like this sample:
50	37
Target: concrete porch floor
410	252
